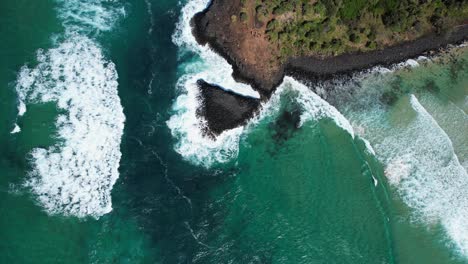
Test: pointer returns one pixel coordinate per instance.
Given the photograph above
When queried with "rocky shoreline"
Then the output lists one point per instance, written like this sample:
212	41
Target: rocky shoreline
208	24
348	63
219	106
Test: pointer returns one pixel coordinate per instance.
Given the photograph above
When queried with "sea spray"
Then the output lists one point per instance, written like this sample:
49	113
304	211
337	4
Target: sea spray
76	175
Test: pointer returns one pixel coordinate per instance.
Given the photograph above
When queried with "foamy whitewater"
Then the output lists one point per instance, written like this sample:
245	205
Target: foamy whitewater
453	120
419	158
89	16
187	128
75	177
422	165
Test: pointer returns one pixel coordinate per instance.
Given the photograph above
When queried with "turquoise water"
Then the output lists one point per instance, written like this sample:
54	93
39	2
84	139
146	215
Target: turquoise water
108	164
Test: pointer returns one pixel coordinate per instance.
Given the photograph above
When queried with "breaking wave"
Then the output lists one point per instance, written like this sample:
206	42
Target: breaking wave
420	160
313	107
187	128
453	120
76	175
421	163
419	139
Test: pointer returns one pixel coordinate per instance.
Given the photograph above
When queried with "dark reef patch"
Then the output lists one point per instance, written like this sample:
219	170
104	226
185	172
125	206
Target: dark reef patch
285	126
224	110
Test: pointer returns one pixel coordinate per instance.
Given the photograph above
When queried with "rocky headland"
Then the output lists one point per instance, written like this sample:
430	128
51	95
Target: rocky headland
317	39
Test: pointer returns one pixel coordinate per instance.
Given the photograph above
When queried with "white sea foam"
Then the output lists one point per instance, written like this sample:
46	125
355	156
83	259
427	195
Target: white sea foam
397	169
21	108
16	129
376	182
419	156
411	63
89	16
438	186
187	128
453	120
368	145
420	149
149	8
421	164
75	177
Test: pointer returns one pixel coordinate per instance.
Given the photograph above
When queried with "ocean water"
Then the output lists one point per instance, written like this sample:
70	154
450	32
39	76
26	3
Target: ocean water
103	158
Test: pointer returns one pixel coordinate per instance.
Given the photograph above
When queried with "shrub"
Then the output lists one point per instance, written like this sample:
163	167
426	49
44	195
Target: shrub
243	17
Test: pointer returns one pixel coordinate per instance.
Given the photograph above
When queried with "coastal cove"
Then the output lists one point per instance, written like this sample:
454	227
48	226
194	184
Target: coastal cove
124	140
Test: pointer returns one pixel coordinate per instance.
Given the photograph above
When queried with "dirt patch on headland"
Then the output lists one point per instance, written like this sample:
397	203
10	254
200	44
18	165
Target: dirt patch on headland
243	45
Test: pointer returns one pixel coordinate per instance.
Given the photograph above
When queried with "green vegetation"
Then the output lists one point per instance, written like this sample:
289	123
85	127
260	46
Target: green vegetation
331	27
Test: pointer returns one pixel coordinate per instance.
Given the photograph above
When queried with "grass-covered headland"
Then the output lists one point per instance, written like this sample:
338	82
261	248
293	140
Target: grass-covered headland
331	27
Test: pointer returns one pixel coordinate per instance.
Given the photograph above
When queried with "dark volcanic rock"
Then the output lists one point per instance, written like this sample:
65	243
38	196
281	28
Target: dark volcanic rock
285	126
346	63
224	110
